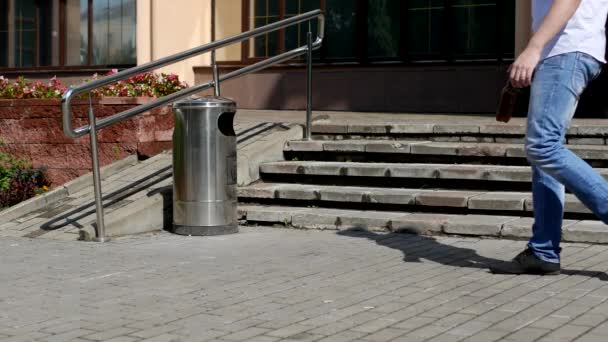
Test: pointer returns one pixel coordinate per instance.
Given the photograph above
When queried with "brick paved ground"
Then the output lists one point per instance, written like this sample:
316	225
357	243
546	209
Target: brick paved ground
288	285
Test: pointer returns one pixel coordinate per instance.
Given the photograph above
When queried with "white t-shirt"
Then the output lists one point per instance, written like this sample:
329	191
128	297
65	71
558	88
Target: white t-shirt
583	33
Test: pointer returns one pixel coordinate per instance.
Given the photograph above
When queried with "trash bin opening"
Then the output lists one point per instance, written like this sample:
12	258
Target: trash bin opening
225	123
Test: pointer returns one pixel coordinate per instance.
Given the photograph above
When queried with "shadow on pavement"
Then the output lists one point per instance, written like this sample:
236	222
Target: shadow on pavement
417	247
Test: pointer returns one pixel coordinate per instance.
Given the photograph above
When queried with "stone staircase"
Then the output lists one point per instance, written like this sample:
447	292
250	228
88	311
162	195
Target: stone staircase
424	176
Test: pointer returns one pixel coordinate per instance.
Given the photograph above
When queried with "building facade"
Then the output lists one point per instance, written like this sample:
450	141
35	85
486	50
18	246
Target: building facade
378	55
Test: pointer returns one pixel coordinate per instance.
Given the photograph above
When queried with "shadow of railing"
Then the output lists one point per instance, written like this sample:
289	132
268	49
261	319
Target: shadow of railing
109	201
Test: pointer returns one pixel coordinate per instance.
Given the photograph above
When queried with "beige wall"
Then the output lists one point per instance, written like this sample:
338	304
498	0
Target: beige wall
523	24
228	23
166	27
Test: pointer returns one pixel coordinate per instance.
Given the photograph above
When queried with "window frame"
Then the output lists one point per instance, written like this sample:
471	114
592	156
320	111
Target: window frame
246	45
63	46
447	55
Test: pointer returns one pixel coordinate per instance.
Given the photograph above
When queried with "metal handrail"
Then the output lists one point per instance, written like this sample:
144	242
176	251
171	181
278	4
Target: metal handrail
95	125
73	92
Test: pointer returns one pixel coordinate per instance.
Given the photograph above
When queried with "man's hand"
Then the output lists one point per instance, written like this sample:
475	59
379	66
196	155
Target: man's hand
559	14
521	72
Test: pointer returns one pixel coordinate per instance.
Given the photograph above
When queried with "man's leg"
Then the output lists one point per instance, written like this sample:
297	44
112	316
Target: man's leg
554	97
548	199
557	85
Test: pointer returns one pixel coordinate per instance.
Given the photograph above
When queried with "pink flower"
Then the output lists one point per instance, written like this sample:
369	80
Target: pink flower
55	81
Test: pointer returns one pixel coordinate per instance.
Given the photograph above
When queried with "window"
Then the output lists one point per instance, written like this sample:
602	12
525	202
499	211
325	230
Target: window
264	12
3	33
341	29
67	33
425	27
114	32
384	28
393	30
27	38
77	32
296	35
480	26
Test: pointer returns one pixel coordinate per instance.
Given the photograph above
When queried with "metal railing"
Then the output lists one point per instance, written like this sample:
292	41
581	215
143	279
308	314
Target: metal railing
95	125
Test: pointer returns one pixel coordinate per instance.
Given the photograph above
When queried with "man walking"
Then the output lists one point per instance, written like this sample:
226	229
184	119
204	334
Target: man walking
565	53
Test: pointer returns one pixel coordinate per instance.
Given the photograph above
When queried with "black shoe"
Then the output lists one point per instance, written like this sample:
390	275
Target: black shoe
526	263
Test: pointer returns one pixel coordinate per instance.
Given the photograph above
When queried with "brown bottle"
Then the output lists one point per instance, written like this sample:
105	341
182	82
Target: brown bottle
508	101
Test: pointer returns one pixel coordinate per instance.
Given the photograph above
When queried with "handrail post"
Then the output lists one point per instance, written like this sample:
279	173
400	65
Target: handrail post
101	228
216	73
308	131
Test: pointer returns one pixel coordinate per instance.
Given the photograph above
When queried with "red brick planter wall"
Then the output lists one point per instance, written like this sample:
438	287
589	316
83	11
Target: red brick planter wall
32	130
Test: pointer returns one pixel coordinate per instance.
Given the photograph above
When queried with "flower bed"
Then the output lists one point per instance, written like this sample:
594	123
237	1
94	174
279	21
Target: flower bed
143	85
31	129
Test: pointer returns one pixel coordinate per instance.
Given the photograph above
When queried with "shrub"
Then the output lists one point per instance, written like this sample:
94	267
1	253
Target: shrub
147	84
19	181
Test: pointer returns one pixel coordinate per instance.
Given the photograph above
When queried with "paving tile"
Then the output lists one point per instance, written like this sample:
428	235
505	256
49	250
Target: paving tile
527	334
565	333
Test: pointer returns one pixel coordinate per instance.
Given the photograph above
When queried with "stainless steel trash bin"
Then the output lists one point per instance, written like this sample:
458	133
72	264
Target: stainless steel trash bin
204	167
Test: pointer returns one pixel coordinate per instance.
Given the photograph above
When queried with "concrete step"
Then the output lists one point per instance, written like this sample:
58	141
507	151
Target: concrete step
427	199
511	227
453	129
387	171
404	148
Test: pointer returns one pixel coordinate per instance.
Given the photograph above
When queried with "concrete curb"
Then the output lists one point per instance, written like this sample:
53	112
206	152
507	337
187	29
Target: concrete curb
503	227
142	216
428	148
63	191
480	200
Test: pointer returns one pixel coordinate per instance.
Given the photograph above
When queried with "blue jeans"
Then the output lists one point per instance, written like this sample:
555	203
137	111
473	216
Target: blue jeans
558	83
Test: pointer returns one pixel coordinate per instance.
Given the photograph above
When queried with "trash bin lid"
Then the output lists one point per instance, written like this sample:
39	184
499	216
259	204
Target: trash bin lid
206	102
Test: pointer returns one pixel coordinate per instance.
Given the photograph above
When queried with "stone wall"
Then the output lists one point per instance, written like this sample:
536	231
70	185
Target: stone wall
32	130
